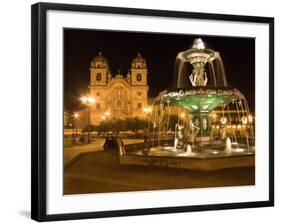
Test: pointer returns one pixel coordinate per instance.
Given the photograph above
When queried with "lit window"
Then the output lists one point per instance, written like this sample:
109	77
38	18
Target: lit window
98	78
138	77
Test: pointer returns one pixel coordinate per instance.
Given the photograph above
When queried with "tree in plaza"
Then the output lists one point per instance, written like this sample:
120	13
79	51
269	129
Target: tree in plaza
92	128
115	125
118	125
105	126
136	124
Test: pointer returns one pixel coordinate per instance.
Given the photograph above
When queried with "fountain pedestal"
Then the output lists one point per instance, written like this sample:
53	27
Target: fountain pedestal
201	127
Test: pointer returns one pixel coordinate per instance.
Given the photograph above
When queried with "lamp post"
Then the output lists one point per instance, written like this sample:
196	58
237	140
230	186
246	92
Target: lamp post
88	100
107	113
147	111
76	115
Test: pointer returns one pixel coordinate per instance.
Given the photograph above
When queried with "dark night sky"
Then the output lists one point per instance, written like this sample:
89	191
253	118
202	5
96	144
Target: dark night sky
159	50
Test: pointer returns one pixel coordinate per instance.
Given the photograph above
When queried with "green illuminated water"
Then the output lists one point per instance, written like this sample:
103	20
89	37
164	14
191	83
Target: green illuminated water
199	103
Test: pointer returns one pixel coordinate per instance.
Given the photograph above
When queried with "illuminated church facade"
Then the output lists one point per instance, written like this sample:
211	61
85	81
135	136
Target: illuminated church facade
117	96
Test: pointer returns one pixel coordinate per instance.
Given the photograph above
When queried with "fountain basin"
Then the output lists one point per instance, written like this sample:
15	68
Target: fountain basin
206	160
197	99
193	163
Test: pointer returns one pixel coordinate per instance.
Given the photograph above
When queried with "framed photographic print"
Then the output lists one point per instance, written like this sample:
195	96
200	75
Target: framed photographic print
138	111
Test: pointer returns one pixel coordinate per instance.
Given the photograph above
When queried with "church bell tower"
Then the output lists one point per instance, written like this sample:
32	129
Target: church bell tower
99	71
138	71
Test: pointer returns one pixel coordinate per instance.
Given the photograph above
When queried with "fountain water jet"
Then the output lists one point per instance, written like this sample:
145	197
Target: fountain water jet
228	145
189	149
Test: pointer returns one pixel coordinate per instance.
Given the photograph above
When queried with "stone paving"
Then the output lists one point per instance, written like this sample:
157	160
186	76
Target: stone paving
100	172
95	145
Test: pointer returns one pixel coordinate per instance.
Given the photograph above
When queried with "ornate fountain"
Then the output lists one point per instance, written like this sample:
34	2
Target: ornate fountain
202	116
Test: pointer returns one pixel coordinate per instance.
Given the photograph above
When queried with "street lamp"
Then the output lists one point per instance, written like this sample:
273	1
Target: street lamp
88	100
107	113
147	109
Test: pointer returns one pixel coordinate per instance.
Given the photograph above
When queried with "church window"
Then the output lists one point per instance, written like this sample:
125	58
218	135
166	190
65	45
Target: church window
139	105
98	78
139	77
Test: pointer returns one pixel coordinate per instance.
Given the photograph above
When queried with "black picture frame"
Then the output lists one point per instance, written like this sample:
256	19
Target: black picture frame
39	122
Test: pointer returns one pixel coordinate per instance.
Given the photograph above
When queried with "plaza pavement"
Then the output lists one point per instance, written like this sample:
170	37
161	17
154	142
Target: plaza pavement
95	145
100	172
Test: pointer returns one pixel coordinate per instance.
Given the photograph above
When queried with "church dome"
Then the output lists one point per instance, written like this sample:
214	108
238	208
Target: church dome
138	62
99	61
119	76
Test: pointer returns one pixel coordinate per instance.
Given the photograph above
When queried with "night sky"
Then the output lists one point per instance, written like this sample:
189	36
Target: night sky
159	50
